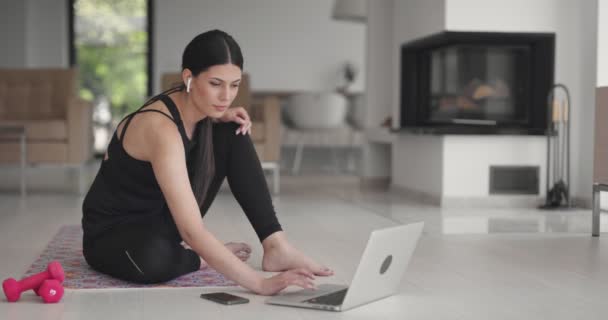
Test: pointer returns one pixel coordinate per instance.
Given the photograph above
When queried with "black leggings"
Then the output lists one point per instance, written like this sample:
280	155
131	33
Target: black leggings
150	252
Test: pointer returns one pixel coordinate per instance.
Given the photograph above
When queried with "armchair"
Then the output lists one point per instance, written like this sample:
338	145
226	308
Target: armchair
56	122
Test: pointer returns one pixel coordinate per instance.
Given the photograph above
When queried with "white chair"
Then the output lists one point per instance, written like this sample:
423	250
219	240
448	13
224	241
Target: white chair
317	119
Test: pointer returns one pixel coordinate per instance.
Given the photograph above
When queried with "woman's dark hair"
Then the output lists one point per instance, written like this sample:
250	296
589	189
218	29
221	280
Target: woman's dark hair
207	49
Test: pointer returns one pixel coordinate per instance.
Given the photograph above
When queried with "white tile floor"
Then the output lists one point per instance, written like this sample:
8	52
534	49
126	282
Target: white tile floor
469	264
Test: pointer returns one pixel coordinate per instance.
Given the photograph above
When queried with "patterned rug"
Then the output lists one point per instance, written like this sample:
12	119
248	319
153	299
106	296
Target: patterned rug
66	247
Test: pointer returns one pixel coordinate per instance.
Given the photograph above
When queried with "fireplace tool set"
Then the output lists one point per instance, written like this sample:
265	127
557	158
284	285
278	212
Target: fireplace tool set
558	148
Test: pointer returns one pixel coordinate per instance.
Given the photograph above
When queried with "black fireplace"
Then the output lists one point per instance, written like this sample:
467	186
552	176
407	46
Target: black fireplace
477	83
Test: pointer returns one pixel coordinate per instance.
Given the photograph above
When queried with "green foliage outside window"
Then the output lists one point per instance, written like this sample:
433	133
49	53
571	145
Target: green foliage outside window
111	46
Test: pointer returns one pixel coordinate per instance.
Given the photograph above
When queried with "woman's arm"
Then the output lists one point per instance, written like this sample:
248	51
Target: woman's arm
166	153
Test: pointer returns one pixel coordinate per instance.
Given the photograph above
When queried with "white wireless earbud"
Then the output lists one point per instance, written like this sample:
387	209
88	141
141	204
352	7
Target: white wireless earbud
188	85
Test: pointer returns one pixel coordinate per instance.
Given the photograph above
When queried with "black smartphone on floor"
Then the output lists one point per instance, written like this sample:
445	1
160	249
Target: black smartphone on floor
224	298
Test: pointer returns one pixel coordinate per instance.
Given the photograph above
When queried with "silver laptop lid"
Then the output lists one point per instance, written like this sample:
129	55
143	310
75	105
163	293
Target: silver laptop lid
383	264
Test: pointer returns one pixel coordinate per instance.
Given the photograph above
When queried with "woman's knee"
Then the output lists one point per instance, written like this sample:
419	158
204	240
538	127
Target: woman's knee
224	129
154	261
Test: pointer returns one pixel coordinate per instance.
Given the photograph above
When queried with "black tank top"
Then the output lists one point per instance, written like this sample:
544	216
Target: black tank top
125	189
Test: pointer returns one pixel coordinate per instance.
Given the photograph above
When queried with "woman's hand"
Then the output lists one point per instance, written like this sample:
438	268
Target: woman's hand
296	277
240	116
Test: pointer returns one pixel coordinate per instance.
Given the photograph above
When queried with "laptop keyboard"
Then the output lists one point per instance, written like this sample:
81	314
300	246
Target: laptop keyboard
331	299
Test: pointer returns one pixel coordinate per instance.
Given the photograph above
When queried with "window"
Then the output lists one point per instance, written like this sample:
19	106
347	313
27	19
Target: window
110	44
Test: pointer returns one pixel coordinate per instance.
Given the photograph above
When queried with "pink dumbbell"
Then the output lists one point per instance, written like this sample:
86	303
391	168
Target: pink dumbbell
51	291
13	288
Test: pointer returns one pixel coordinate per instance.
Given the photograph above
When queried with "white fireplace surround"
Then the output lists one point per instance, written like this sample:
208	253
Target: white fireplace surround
453	170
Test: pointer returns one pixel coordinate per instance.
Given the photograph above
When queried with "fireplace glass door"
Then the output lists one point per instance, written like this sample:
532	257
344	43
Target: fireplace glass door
478	84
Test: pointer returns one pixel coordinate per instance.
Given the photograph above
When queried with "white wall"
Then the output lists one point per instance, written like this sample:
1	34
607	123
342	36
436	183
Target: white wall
379	87
287	44
47	33
13	34
512	16
602	43
34	33
380	35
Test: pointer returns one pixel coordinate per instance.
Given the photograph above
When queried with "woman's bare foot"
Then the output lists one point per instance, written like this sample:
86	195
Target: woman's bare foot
240	249
279	256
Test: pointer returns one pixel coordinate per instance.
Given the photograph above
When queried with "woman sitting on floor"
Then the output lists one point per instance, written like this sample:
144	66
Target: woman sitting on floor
164	166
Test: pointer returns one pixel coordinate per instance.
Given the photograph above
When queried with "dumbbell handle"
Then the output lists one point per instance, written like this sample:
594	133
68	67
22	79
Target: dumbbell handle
53	271
34	281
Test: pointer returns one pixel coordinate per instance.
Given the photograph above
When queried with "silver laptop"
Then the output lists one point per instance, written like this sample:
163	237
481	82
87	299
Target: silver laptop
378	275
